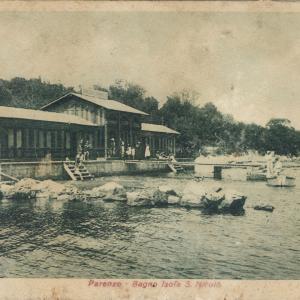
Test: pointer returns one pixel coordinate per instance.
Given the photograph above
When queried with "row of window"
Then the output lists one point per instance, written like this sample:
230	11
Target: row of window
35	138
54	139
95	116
160	143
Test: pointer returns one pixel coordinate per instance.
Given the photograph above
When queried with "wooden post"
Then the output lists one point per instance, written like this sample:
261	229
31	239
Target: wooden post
119	134
174	148
217	172
105	134
130	132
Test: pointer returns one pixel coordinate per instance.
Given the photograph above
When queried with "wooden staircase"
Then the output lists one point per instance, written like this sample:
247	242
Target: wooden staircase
175	167
77	173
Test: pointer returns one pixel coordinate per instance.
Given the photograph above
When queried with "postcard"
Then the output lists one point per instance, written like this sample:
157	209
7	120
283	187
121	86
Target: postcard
149	150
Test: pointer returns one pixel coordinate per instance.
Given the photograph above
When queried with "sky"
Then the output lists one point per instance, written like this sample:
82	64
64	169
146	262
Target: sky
247	64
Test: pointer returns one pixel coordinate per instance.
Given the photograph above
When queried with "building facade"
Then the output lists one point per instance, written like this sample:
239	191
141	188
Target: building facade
58	129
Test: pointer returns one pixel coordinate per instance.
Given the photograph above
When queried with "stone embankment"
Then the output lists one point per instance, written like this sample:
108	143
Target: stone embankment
194	195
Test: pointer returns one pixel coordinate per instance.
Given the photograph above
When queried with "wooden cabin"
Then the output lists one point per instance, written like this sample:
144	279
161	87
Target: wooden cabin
160	138
117	122
61	126
27	134
114	120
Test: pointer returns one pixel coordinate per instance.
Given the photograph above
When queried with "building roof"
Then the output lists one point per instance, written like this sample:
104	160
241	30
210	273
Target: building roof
158	128
38	115
108	104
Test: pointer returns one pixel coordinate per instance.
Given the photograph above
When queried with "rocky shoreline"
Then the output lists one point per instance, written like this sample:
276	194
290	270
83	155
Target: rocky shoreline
193	196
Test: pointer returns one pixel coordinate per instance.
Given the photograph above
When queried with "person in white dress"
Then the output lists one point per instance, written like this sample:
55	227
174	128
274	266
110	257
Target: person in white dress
147	152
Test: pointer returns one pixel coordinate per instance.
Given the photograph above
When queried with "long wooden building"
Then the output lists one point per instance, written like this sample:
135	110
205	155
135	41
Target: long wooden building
60	126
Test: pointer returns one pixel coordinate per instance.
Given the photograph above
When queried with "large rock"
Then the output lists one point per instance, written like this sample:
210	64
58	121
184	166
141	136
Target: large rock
167	190
54	190
160	198
212	199
174	200
193	195
5	189
112	187
24	189
110	197
191	201
29	188
110	191
140	198
233	202
51	187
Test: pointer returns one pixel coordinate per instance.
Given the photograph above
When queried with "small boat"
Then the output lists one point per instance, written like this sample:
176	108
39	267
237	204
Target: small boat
281	181
268	208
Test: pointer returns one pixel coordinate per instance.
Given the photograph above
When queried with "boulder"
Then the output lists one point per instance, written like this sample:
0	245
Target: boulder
110	197
140	198
48	189
167	190
51	187
232	203
5	189
160	198
27	183
54	190
191	201
24	189
213	199
110	191
94	193
173	200
110	187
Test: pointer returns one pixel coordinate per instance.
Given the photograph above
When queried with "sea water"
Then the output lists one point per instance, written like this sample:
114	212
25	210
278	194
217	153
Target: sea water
48	238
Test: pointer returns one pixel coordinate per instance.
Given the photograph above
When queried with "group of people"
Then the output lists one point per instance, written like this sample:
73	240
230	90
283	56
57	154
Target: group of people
83	152
164	156
127	151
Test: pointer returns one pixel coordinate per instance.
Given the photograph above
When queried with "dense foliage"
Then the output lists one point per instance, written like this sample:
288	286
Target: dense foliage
199	126
31	93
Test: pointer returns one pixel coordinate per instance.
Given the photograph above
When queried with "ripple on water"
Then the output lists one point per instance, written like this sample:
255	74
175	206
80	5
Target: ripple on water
51	239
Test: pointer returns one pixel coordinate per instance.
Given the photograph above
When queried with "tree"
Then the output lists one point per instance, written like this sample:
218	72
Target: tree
281	137
127	93
5	95
254	138
30	93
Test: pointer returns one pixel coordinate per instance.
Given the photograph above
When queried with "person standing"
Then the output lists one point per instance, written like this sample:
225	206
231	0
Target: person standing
122	150
270	163
112	147
133	152
147	152
128	152
87	148
277	166
138	149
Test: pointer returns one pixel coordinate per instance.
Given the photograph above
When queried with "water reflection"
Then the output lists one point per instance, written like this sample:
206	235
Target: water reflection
46	238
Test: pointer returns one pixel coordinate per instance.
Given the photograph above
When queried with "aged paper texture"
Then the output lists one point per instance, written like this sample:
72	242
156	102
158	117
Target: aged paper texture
149	150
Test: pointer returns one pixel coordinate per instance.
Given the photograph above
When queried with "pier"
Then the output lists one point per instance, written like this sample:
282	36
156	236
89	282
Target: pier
55	169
